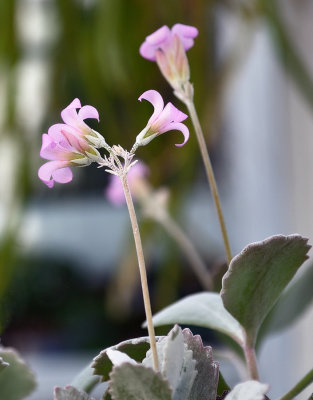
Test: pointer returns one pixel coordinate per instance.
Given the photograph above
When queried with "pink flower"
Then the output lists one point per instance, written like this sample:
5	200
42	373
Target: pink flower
72	143
136	176
168	48
75	129
163	119
61	155
162	39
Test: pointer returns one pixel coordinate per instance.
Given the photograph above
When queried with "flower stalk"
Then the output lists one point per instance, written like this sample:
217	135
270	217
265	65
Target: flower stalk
142	269
188	100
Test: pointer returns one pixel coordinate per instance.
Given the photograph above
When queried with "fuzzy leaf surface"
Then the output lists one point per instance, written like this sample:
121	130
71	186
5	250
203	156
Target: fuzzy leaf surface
134	348
206	380
250	390
293	303
136	382
176	363
201	309
257	276
70	393
16	380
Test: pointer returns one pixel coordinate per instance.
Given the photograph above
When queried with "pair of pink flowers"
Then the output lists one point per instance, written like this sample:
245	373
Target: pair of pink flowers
71	143
74	143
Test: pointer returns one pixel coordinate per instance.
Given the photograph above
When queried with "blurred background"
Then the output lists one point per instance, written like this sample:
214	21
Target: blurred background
68	273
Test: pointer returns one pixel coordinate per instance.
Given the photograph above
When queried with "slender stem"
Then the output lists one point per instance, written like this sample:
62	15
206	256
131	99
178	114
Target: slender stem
251	361
301	385
210	174
142	269
187	247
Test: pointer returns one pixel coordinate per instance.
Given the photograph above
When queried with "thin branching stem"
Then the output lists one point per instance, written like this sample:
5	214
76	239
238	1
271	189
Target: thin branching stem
142	269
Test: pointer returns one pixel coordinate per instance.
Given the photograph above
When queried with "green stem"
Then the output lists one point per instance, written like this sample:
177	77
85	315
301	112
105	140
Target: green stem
142	269
301	385
251	361
209	171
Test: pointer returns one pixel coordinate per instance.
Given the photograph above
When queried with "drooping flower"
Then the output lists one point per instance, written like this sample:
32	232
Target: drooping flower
60	155
71	143
168	48
163	119
76	129
136	180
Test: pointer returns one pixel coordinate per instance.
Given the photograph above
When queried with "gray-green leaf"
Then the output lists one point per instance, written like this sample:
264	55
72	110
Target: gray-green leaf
250	390
134	348
3	364
206	381
257	276
176	363
70	393
201	309
136	382
292	304
16	379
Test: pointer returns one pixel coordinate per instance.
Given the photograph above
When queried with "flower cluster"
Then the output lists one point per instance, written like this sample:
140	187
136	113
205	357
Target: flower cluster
69	144
74	143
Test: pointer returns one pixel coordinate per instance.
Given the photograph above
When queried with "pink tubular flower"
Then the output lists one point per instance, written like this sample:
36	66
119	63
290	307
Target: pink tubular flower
163	119
75	129
61	155
72	143
136	177
168	48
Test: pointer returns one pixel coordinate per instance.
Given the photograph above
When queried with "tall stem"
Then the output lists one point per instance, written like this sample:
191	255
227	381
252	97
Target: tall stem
210	174
142	270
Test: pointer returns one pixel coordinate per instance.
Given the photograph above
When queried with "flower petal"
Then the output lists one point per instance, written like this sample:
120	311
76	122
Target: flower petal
48	170
55	132
69	114
156	100
88	112
63	175
177	126
160	36
155	41
169	115
75	139
186	33
51	150
177	115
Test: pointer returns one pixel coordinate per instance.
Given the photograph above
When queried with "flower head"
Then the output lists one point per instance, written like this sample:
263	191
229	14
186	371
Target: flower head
168	48
69	144
136	180
163	119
